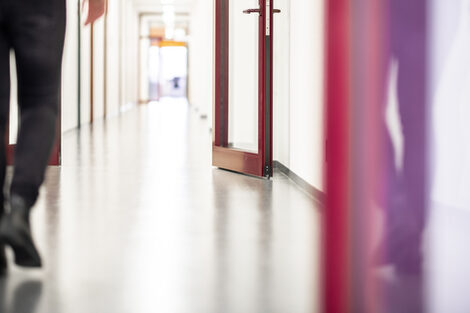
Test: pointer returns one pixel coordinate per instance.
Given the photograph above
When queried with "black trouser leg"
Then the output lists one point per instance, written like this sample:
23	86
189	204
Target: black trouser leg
4	108
37	36
35	31
4	114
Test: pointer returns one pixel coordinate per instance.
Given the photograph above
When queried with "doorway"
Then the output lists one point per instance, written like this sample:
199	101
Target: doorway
243	86
163	58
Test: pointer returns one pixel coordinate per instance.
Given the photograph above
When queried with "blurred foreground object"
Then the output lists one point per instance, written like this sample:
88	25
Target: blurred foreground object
377	185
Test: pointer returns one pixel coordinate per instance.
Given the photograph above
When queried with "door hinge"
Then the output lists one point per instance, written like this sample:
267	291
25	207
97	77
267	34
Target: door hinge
268	171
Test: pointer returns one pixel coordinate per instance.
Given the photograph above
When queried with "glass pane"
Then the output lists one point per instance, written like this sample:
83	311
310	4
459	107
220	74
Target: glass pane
243	76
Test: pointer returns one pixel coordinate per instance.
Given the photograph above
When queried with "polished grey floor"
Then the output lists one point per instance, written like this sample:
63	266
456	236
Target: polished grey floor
137	220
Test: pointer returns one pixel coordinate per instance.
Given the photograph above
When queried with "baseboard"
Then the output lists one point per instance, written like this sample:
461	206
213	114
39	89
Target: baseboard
317	194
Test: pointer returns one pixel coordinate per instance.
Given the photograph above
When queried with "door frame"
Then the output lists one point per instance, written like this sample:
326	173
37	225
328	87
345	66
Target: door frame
257	164
158	17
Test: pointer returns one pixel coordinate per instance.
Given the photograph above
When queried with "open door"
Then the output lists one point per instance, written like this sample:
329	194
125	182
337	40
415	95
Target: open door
243	86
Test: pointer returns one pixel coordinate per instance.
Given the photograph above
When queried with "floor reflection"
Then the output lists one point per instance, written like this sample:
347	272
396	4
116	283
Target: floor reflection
262	261
247	274
138	221
19	296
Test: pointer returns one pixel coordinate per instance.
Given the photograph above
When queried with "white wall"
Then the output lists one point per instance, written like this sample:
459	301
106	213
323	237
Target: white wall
70	70
306	90
201	58
298	88
450	95
449	74
113	70
130	41
144	69
120	61
107	39
85	75
98	69
281	83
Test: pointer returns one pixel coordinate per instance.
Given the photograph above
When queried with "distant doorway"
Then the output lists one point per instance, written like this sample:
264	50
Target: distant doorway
163	59
173	70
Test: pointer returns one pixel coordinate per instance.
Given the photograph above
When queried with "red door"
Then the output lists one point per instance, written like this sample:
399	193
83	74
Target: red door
243	86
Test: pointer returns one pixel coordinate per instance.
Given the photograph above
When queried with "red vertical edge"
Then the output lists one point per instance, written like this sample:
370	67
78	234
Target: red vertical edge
10	149
226	72
217	89
221	73
261	84
271	84
55	159
92	59
105	63
337	103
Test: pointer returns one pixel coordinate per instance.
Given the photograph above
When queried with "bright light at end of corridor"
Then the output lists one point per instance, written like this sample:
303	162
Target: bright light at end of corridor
169	20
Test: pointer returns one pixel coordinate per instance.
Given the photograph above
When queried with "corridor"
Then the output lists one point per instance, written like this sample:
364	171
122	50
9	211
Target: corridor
171	111
137	220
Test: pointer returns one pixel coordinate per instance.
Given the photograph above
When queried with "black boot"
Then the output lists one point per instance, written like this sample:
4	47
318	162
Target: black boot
15	231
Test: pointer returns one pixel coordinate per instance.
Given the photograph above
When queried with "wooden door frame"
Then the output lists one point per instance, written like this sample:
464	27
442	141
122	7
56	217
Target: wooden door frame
260	163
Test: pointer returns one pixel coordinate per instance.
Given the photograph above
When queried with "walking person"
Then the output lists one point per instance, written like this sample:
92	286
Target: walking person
34	30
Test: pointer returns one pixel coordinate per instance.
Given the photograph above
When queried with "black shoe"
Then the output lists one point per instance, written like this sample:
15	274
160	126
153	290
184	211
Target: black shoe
3	260
15	231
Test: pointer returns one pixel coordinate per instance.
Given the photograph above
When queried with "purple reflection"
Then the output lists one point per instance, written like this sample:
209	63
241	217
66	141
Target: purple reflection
406	187
407	194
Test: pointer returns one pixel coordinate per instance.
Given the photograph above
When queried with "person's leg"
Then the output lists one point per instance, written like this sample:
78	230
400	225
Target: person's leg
4	113
37	30
38	44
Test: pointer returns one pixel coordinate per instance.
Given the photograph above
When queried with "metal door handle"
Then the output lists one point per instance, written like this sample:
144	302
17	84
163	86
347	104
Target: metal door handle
268	15
249	11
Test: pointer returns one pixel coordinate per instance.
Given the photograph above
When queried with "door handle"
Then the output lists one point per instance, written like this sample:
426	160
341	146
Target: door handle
249	11
268	15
